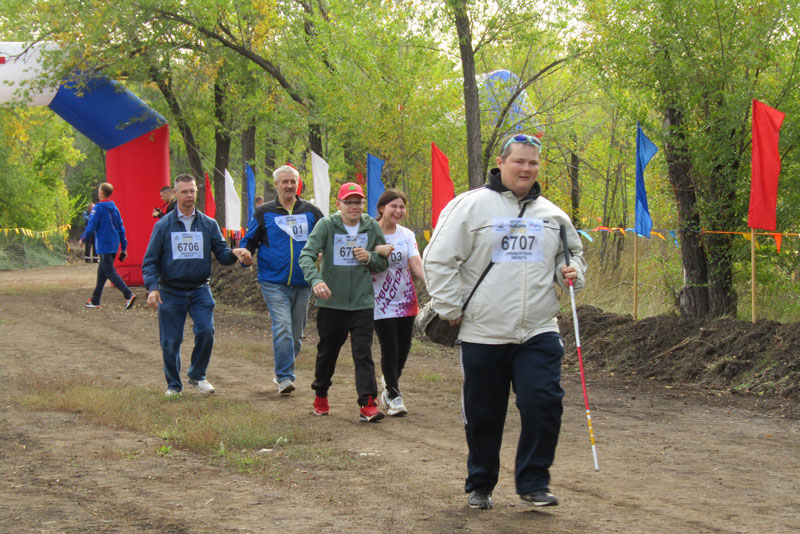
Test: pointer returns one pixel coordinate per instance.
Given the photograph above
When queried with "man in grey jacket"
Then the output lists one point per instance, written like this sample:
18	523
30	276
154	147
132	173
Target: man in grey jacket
509	333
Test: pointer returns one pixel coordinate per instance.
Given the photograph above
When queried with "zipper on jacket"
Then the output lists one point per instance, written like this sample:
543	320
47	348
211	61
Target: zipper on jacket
291	247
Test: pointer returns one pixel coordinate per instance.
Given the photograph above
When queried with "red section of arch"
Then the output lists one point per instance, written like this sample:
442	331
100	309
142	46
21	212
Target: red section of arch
138	170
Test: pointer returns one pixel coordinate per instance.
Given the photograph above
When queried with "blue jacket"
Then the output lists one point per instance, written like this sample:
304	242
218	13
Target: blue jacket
159	266
277	251
106	223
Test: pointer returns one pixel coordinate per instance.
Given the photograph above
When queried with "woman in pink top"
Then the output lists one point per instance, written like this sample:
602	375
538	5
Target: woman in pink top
395	296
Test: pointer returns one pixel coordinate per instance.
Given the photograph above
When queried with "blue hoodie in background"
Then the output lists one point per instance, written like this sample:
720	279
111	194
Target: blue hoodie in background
106	223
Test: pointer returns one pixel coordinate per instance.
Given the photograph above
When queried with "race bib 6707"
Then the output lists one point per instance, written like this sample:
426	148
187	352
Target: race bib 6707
516	239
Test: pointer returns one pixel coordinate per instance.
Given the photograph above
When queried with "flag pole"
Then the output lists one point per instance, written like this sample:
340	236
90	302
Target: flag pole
635	273
753	273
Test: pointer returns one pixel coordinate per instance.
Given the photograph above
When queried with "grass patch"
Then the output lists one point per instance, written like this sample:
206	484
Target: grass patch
228	431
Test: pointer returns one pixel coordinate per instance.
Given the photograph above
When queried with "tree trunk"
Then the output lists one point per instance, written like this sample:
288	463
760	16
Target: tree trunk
472	109
165	86
222	140
575	191
693	299
270	164
315	138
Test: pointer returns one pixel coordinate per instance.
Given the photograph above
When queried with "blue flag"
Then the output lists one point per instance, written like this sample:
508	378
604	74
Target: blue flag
251	191
645	150
375	186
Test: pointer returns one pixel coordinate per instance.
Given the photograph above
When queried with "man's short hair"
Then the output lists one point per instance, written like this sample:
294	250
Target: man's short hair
183	178
258	199
165	188
106	188
285	169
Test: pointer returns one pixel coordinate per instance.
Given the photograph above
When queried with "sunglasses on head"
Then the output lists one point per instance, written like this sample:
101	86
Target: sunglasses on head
522	138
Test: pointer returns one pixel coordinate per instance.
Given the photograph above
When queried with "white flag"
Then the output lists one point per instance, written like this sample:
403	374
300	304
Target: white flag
233	206
322	183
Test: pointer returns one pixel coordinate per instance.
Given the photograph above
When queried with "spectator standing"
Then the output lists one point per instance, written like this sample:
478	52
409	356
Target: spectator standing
507	234
89	251
106	226
176	269
395	297
345	301
168	197
277	233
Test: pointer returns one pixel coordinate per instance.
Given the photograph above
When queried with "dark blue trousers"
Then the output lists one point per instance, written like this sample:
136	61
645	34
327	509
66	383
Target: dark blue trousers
106	271
175	305
533	368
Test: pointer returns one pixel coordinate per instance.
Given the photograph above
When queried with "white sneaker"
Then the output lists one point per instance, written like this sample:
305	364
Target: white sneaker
203	386
172	393
397	407
384	399
285	386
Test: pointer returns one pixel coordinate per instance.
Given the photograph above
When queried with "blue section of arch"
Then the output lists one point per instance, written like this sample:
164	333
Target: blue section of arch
104	111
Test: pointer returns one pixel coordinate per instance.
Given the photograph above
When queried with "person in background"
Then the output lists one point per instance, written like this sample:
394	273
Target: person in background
345	301
278	231
176	268
507	234
109	237
395	297
89	251
260	200
168	197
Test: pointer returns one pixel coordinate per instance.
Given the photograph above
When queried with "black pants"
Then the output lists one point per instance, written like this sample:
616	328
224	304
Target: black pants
333	327
394	336
533	368
89	254
106	271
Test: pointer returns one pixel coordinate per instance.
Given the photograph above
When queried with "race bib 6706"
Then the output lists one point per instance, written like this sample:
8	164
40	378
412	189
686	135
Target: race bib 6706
187	245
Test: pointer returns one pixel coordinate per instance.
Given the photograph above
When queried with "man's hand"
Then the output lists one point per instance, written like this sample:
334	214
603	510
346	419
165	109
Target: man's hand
569	273
156	213
361	254
123	255
321	291
244	255
154	299
454	322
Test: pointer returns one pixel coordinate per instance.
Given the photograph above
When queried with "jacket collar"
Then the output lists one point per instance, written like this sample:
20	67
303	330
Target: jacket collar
496	184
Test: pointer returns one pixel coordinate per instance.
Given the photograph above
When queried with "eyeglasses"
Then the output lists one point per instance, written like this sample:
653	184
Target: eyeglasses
522	138
352	202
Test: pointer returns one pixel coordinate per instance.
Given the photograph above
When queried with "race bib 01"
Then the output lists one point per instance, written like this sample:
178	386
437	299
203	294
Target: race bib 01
187	245
516	240
295	226
343	246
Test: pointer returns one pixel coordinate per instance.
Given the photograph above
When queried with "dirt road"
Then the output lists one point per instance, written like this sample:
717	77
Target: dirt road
670	460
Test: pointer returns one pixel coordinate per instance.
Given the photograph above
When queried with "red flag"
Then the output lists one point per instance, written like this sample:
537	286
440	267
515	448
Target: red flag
766	166
441	184
211	205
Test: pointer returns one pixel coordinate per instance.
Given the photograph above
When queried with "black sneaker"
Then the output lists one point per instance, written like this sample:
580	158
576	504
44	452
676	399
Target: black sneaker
539	498
481	499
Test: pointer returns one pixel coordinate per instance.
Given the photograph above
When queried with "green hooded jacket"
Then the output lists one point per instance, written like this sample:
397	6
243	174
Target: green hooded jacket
350	285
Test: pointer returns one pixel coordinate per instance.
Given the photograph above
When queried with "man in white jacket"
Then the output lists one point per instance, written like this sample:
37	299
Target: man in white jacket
509	333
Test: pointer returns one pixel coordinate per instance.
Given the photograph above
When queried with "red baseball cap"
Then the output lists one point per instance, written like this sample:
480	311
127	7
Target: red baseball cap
350	189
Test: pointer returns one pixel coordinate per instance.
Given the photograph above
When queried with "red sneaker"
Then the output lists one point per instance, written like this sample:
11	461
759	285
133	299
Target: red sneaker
321	406
370	413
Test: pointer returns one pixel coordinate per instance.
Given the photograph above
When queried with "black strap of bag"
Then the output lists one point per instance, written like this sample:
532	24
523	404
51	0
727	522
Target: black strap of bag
488	268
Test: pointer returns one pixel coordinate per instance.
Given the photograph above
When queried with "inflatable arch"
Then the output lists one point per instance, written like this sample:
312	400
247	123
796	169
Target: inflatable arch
134	136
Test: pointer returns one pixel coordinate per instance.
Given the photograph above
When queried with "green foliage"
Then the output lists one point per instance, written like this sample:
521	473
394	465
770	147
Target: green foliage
36	148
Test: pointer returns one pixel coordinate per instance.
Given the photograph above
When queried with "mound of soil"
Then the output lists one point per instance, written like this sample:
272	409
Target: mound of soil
724	355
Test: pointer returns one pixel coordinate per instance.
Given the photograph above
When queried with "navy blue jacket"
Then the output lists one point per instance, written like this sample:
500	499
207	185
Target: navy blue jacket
106	223
277	251
158	265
